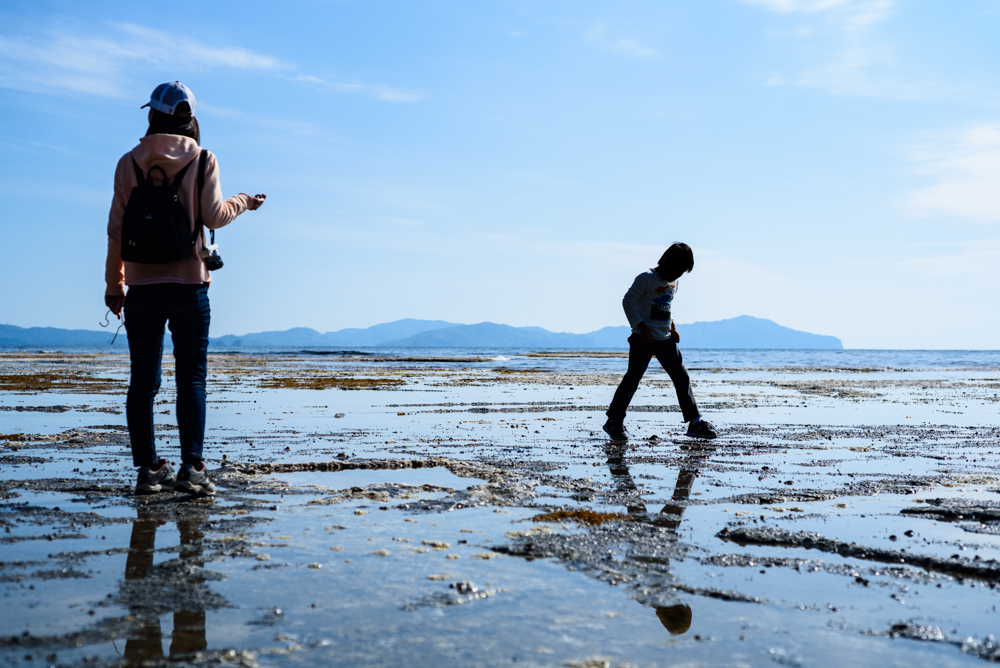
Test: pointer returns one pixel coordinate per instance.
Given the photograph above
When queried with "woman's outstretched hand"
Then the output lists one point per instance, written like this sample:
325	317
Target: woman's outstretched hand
256	201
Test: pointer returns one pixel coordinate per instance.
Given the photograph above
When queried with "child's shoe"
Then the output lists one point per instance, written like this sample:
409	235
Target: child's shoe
616	430
194	480
701	429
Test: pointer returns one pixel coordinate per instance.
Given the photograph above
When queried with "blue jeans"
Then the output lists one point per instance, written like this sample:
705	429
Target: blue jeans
147	309
669	356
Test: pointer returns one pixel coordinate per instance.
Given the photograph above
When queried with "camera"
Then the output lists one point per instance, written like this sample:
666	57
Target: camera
210	256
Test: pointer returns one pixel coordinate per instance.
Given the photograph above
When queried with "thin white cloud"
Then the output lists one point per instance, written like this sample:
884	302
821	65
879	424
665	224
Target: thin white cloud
966	168
403	222
787	6
286	127
967	258
168	48
109	65
598	36
612	252
847	57
381	92
61	61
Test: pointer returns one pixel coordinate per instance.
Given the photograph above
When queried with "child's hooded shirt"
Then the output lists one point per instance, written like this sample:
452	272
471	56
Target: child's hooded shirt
649	300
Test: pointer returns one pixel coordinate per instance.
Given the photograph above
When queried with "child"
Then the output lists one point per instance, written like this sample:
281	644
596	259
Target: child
647	307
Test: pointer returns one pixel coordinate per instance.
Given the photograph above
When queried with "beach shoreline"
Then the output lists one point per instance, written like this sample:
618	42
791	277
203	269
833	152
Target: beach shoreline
467	510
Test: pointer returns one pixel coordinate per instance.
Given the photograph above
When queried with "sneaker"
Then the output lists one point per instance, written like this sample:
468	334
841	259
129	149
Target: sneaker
702	429
195	481
616	430
153	480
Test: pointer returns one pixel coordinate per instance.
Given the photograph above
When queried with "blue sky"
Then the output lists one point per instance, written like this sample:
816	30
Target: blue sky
835	164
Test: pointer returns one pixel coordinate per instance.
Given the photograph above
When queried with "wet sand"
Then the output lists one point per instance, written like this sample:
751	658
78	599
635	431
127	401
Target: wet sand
456	511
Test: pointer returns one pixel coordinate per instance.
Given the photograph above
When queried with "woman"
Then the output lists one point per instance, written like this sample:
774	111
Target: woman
173	293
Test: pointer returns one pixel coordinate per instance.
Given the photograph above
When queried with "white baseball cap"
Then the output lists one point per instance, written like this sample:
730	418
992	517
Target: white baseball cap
167	96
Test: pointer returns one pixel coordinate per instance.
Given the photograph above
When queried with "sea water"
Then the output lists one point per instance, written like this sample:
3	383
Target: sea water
603	360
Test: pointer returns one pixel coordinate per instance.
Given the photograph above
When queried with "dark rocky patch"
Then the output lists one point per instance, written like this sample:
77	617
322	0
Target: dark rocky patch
951	510
985	570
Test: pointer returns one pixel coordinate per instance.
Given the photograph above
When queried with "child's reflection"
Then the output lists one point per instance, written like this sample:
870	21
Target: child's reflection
675	618
151	594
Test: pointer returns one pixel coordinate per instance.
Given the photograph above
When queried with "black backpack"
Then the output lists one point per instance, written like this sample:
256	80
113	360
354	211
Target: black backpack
156	228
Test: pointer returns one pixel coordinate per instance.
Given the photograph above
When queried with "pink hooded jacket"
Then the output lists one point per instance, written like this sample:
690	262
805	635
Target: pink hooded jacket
171	152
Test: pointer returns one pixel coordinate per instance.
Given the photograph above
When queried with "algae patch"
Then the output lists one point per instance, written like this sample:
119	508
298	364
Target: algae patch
324	382
588	517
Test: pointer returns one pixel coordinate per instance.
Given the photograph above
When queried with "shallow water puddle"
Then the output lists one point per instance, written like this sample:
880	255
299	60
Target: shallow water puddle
381	601
437	476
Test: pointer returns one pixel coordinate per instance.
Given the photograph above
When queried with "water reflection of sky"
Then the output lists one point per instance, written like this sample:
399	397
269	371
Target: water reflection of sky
534	358
592	361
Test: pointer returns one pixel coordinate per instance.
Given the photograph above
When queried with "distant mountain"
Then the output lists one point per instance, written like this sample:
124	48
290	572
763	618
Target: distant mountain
51	336
748	332
377	334
304	336
487	334
296	336
742	332
492	335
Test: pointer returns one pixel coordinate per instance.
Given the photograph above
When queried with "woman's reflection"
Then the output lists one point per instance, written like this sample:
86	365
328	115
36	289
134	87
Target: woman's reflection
175	585
675	618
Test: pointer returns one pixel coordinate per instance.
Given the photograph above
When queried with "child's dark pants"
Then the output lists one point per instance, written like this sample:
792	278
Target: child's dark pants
670	359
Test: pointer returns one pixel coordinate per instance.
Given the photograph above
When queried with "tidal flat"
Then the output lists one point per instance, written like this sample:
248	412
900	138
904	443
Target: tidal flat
469	511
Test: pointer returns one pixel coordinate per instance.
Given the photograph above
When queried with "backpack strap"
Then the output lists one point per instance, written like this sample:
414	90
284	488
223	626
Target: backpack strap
202	162
139	178
176	183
